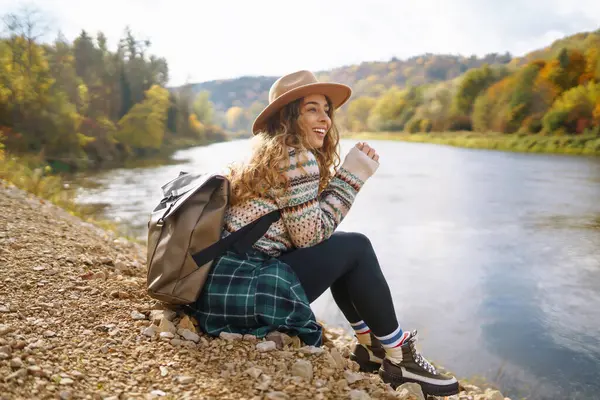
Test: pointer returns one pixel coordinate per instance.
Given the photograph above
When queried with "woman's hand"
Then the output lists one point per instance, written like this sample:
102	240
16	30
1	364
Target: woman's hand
368	150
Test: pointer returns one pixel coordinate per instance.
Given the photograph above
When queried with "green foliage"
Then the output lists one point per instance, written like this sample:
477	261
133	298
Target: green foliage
472	84
144	125
575	110
80	105
203	108
358	113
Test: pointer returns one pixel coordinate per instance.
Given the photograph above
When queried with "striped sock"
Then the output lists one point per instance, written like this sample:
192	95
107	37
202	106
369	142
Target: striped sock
362	331
392	344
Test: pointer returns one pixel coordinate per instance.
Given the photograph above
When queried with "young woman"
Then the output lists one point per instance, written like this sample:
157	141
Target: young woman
294	168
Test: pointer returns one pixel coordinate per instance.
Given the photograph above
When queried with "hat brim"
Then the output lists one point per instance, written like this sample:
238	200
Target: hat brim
337	93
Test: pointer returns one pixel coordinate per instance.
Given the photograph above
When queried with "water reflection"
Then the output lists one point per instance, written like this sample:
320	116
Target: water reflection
492	256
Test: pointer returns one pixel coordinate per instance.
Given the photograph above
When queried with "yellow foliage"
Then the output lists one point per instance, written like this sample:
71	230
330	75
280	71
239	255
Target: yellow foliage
233	117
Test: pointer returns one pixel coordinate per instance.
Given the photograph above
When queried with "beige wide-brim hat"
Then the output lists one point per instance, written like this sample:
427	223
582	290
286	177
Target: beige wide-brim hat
295	86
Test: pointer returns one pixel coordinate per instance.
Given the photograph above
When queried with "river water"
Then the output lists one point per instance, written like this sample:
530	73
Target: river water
494	257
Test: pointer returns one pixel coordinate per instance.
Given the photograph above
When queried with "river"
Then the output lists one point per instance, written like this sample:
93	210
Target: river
493	257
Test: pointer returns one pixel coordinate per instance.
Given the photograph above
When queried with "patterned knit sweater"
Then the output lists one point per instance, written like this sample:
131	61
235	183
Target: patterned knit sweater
307	217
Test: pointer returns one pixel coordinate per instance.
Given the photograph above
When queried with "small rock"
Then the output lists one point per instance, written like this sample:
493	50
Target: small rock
4	329
167	335
99	275
280	339
4	309
166	326
230	336
266	346
16	363
296	342
311	350
149	331
176	342
137	315
4	356
411	389
186	323
65	395
265	383
253	372
250	338
188	335
493	395
87	332
157	315
158	393
106	261
66	381
184	380
277	396
22	373
77	375
35	371
163	370
339	360
352	377
303	369
356	394
39	268
119	294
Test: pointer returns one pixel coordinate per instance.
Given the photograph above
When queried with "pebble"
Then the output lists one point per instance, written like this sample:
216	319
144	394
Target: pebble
411	390
266	346
352	377
356	394
65	395
137	315
159	393
167	335
166	326
250	338
184	380
303	369
186	323
16	363
253	372
188	335
4	329
230	336
149	331
311	350
277	396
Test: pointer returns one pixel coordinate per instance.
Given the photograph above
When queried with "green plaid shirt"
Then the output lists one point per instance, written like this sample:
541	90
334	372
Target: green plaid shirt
255	294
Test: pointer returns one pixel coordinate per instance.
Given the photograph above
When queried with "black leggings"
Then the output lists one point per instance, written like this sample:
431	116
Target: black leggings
347	263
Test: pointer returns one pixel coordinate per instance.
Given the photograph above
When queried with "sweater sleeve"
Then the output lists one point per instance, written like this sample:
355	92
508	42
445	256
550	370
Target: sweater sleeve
309	217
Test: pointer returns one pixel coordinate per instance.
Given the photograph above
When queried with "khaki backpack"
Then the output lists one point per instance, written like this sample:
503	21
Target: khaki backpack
184	236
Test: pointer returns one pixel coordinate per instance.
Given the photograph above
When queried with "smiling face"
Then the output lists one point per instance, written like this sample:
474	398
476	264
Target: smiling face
315	119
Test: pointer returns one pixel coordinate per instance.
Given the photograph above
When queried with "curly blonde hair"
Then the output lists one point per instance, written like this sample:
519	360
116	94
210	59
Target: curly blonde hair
263	171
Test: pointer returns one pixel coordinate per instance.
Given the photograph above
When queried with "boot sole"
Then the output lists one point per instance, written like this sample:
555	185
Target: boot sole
428	389
365	366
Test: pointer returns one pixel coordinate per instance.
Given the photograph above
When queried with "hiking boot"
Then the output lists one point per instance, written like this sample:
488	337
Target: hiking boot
415	368
369	358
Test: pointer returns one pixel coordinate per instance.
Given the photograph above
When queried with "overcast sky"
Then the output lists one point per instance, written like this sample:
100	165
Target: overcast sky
218	39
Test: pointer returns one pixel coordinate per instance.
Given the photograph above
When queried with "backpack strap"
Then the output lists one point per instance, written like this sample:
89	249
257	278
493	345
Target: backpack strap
241	240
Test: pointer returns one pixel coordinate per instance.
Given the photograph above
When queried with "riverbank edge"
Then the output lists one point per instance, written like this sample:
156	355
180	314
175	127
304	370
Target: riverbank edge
580	145
119	266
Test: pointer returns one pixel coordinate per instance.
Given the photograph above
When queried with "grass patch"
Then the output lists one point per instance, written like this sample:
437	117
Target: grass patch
577	145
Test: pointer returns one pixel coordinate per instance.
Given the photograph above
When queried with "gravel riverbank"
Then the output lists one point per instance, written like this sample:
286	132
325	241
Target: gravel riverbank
76	323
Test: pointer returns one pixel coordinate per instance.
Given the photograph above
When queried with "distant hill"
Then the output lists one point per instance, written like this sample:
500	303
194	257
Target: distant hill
367	78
